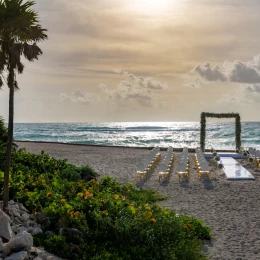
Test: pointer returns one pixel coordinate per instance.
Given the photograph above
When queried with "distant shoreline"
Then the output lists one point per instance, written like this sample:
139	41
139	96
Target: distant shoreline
192	150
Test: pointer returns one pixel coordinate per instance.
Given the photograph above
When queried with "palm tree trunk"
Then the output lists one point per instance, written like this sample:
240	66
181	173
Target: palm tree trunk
9	141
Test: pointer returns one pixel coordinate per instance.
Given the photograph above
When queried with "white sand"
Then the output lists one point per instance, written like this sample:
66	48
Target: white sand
230	208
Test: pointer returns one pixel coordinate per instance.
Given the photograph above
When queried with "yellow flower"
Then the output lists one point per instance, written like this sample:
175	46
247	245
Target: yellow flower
62	200
188	227
80	194
116	196
153	220
105	212
76	215
147	207
148	214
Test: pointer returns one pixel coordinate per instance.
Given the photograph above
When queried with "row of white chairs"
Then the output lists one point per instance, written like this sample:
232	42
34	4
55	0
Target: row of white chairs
201	163
184	164
166	165
145	167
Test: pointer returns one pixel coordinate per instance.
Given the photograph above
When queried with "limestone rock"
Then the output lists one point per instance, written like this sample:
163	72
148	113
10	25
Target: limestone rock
36	231
22	255
24	217
22	241
5	228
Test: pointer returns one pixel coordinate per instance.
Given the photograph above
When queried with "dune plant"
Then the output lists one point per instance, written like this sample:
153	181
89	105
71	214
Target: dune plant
99	219
20	32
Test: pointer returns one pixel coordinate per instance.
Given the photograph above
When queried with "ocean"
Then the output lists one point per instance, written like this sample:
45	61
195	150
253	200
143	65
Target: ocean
220	135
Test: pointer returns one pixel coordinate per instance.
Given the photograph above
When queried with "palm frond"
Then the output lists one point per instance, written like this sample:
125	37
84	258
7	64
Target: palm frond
16	87
20	67
31	51
19	33
12	81
19	22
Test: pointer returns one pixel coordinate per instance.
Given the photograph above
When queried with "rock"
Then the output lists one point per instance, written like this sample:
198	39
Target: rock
18	256
22	208
5	228
24	217
50	258
21	241
29	223
36	231
21	229
42	254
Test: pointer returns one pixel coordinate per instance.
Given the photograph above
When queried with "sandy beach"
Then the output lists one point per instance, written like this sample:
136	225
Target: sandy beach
230	208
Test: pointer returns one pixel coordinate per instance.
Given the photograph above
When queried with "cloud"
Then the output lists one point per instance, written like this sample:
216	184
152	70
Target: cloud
134	89
210	74
253	89
142	82
244	72
234	72
77	96
125	91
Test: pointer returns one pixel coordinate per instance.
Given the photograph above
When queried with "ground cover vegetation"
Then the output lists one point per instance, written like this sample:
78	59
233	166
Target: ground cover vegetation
99	219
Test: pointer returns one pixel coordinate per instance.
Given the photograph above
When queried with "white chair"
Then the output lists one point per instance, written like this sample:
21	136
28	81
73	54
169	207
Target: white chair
183	170
141	171
203	169
164	171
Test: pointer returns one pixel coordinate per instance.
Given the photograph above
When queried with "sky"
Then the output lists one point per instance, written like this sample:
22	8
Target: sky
142	60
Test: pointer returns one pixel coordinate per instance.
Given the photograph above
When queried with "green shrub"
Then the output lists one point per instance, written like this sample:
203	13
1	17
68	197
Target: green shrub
74	173
114	221
54	243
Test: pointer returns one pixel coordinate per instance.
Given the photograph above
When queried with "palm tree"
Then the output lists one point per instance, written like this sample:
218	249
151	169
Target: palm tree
20	32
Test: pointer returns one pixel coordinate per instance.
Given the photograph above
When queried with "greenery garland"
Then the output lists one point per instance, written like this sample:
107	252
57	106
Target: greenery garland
223	115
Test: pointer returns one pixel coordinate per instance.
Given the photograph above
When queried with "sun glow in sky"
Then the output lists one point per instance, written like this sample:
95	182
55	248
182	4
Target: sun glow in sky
141	60
153	7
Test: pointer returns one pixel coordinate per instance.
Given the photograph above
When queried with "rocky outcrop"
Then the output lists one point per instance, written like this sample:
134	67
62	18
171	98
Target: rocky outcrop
5	228
16	230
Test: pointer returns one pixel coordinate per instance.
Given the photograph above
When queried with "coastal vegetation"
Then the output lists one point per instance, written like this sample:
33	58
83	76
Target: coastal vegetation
20	32
91	218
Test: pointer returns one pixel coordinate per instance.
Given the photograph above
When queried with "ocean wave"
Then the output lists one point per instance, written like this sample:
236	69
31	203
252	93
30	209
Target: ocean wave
139	134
